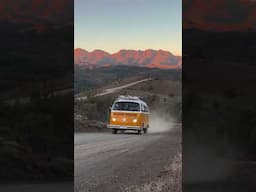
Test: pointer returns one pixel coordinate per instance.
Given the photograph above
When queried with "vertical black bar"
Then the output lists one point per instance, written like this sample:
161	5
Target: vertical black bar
218	95
36	100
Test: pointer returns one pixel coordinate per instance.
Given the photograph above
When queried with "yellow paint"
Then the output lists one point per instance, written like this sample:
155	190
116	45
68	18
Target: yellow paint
126	118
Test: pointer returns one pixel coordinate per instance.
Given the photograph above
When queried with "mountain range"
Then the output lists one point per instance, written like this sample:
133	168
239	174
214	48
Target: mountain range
148	58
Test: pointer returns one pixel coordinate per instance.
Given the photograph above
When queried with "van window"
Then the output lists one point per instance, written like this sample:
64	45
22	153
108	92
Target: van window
126	106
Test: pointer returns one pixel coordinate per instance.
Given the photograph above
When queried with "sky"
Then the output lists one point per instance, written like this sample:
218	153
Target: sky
112	25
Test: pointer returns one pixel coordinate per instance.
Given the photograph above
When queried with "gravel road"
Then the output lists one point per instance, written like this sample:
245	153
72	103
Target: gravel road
107	163
115	89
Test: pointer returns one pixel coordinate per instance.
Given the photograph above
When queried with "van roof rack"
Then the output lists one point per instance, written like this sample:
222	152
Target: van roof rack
128	97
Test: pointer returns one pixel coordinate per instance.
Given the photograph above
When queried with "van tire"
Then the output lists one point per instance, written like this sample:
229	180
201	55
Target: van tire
139	132
114	131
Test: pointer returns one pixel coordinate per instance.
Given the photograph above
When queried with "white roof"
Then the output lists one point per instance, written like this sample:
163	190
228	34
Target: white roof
129	98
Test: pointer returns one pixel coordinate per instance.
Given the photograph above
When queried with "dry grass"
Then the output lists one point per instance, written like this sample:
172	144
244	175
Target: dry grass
170	179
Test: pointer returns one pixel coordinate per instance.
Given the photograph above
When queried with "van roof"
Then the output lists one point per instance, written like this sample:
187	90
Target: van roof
129	98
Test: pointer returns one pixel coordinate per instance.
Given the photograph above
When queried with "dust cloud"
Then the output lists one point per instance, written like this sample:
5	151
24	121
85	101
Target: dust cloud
160	122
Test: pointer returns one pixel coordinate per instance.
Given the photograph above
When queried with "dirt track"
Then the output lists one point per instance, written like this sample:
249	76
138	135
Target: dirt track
107	163
115	89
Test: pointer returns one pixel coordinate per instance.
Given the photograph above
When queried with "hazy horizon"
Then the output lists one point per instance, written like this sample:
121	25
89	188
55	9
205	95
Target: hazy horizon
90	51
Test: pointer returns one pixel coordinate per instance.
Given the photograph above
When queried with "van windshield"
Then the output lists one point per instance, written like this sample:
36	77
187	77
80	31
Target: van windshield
126	106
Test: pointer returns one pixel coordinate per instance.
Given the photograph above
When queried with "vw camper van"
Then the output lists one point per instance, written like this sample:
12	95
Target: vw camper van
129	113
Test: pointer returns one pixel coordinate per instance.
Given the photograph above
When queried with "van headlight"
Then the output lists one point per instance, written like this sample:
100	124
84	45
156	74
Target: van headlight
113	119
135	120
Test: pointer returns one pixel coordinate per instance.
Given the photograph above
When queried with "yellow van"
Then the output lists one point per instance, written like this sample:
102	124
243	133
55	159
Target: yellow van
129	113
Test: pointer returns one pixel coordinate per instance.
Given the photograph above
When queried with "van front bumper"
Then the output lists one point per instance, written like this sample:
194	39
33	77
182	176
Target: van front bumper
124	127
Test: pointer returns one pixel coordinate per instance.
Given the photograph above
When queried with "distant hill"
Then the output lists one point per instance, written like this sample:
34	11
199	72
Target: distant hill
86	78
148	58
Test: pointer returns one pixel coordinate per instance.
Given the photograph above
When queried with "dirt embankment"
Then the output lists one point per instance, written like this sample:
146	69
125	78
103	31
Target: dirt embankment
82	124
